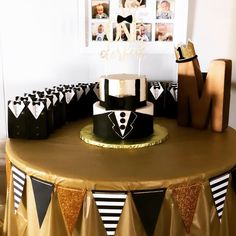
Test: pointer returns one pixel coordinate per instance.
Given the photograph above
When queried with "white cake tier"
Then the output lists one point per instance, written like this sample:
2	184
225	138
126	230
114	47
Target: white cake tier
148	109
123	85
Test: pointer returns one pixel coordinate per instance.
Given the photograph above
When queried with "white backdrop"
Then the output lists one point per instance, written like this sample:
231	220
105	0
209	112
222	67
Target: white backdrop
40	46
212	26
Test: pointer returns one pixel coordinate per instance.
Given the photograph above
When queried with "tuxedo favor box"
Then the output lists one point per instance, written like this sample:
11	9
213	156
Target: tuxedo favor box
37	120
17	119
27	119
164	97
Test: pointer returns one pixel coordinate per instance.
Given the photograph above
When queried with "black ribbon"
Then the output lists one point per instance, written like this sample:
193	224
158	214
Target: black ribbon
40	94
36	103
50	96
17	102
126	103
129	19
186	60
24	99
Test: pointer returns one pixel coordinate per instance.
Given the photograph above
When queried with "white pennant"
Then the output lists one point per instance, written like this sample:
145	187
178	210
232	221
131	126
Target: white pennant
48	102
54	99
16	108
61	96
36	109
156	90
79	93
173	88
69	96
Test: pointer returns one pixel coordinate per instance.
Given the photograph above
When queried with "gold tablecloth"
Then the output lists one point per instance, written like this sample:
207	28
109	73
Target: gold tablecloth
188	156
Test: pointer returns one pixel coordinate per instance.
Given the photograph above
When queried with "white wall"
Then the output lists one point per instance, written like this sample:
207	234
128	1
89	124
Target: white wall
212	27
2	103
40	45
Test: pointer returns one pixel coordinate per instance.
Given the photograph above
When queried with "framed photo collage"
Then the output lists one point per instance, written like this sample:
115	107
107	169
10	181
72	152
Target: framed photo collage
155	22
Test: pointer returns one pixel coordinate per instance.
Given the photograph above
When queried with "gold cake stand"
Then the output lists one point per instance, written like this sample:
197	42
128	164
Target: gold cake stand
159	136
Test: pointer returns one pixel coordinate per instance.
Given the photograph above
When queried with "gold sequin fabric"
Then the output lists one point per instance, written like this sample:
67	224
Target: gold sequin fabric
8	172
71	201
186	197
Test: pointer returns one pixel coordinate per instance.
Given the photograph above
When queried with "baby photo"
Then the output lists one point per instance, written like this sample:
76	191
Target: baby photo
144	32
100	9
98	32
133	3
164	32
165	9
119	33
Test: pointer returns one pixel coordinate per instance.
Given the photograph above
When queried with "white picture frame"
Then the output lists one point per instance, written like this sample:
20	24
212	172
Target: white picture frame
146	15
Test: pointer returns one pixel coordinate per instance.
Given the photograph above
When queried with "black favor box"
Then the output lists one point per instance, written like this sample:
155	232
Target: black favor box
59	109
91	96
48	100
17	119
37	120
163	94
71	102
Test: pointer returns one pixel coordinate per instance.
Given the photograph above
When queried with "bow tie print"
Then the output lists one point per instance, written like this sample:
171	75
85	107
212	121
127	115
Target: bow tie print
17	102
120	19
36	103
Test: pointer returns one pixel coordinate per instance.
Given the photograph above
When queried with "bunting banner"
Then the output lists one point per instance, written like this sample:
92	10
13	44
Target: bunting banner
233	174
148	204
18	185
110	206
219	185
70	201
42	194
8	173
186	197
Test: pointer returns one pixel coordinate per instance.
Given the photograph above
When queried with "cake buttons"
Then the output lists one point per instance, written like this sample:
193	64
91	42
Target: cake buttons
122	114
122	121
122	127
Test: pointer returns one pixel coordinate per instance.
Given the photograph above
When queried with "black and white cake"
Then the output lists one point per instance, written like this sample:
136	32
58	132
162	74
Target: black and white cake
123	112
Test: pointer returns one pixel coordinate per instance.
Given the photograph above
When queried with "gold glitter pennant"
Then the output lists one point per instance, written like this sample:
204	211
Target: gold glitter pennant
70	201
186	197
8	172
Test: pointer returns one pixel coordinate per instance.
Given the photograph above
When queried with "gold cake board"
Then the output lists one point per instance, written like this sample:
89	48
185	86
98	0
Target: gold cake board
159	136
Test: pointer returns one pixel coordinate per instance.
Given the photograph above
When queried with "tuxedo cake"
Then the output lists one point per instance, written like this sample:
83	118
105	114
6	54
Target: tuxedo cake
123	112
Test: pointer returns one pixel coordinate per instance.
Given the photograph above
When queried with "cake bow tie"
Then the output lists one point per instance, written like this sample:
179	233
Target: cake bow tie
120	19
36	103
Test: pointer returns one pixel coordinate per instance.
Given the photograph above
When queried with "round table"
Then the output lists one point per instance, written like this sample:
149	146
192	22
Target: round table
188	156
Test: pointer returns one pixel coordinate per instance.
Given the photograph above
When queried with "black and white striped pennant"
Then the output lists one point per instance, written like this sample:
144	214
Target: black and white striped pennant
18	185
110	206
219	186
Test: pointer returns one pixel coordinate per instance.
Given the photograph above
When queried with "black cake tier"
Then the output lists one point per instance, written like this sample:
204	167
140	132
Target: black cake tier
123	124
